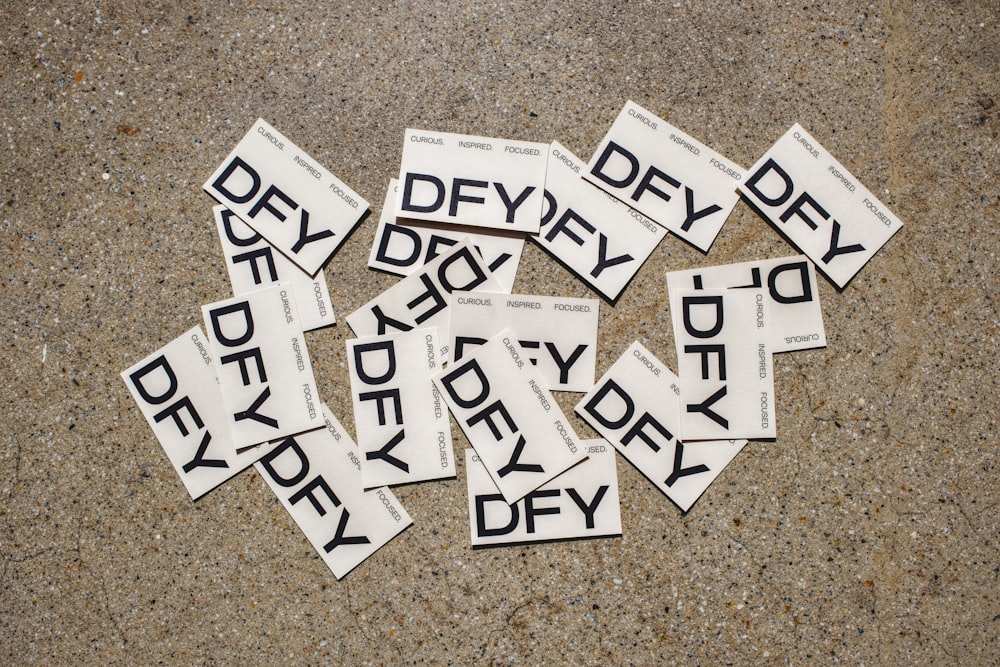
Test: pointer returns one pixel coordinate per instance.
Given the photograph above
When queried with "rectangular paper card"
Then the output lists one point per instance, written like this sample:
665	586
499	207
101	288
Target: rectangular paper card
317	477
402	245
666	175
421	299
582	502
636	407
818	205
509	417
558	334
178	393
724	363
293	201
790	286
403	428
476	181
253	263
263	366
597	237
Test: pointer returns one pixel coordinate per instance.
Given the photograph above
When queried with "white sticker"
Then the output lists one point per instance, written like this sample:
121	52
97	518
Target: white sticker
252	263
294	202
666	175
477	181
403	427
178	393
636	406
724	363
263	366
402	246
421	299
316	477
509	417
789	283
582	502
558	334
598	238
818	205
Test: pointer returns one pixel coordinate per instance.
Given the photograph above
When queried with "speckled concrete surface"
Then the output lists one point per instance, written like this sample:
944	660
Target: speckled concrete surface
867	534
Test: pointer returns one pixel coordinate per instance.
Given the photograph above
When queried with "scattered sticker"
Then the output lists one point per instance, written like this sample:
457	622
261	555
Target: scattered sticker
476	181
636	407
582	502
509	417
817	204
293	201
558	334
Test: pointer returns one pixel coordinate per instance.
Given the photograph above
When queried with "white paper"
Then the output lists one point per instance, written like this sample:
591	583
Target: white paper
402	424
253	263
636	407
724	363
597	237
818	205
582	502
477	181
509	417
666	175
317	477
178	393
402	245
263	366
421	299
558	334
788	282
293	201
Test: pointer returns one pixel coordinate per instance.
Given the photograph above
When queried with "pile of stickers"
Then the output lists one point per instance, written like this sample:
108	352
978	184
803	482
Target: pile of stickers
450	337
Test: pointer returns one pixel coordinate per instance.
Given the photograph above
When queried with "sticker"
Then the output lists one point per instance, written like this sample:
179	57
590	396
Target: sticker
509	417
402	246
818	205
724	363
477	181
263	366
557	334
598	238
294	202
581	502
403	427
252	262
317	477
421	299
666	175
178	393
636	406
789	283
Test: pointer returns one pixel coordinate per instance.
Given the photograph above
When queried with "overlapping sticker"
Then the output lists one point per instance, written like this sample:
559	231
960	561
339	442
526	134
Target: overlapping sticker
263	366
402	425
580	503
293	201
801	189
598	238
317	478
558	334
476	181
788	282
636	407
724	363
253	263
402	246
421	299
666	175
517	429
178	393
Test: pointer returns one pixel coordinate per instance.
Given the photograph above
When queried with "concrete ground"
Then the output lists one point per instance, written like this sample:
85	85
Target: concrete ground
867	534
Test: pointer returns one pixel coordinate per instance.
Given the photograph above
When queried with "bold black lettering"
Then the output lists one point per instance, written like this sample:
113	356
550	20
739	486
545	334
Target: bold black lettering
139	375
465	256
461	342
839	250
530	511
588	509
174	410
288	445
692	215
647	184
550	207
688	301
227	227
307	491
407	203
199	460
678	471
611	149
511	206
757	176
390	230
457	196
340	539
803	269
704	351
486	414
705	408
439	303
237	163
384	455
252	256
379	397
216	316
451	379
602	257
562	226
637	432
796	209
304	235
251	412
434	242
265	203
592	405
241	357
481	529
361	349
565	364
514	465
385	321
